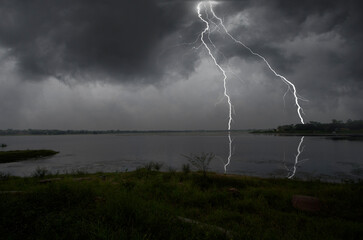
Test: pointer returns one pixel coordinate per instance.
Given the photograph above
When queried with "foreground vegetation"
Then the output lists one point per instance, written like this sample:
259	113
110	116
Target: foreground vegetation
148	204
20	155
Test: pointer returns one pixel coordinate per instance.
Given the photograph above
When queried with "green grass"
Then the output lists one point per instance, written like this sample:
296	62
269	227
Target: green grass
20	155
145	204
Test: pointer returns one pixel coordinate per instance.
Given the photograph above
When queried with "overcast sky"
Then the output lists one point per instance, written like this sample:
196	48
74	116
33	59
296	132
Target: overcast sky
140	64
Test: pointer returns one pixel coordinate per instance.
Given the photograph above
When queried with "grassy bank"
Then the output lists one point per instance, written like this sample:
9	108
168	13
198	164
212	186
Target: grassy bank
20	155
147	204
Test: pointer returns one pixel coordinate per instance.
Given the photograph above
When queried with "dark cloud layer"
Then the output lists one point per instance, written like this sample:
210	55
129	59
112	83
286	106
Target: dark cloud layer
315	44
285	20
74	38
111	39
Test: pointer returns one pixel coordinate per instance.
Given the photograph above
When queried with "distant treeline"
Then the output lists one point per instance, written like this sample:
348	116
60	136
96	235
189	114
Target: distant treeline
77	132
336	126
54	132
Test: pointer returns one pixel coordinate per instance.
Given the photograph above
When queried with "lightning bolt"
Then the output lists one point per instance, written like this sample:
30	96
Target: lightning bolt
229	152
290	85
299	151
207	30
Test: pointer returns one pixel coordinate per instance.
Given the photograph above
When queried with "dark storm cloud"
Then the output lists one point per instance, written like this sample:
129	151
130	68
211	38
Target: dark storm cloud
65	38
120	38
281	20
315	44
114	39
342	18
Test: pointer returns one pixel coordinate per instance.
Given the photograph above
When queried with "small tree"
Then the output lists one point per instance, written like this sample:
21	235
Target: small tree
186	168
201	162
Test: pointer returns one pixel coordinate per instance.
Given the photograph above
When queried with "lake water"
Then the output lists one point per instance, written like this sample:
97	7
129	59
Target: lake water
254	155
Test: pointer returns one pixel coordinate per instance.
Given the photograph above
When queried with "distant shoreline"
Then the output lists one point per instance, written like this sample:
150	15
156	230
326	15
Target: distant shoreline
332	136
309	134
117	132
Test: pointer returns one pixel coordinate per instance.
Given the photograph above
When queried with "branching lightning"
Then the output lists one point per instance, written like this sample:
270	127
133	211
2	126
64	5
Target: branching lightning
218	25
290	85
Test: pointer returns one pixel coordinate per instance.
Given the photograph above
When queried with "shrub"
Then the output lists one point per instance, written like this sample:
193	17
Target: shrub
153	166
172	170
40	172
201	162
4	176
186	168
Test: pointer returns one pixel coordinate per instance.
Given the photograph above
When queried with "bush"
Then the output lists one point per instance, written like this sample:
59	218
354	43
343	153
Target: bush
201	162
4	176
172	170
186	168
40	172
153	166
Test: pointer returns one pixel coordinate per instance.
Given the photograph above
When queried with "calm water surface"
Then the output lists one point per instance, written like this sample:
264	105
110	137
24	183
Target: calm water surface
255	155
